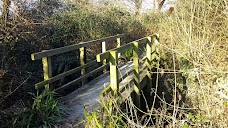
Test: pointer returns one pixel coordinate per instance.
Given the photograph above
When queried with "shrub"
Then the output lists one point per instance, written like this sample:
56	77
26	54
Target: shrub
45	111
194	40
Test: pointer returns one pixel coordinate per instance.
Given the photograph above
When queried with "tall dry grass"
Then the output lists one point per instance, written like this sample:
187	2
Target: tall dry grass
194	40
198	33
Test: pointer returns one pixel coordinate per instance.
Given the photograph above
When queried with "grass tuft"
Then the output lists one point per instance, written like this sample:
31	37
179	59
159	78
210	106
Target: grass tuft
45	111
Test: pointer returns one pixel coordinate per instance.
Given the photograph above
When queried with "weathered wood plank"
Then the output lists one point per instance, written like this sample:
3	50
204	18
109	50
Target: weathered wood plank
124	48
128	46
89	96
136	74
114	75
83	62
125	75
62	75
148	64
118	45
47	53
108	89
100	57
80	78
128	85
47	69
143	74
155	50
102	51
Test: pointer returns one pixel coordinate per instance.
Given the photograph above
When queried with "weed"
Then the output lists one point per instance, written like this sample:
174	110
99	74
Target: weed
45	111
194	40
129	54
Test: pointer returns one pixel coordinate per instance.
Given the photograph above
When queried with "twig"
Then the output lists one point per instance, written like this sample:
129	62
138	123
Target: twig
16	88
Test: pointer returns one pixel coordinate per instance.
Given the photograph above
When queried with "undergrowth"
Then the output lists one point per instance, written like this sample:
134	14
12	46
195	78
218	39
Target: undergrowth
35	29
44	111
194	40
194	62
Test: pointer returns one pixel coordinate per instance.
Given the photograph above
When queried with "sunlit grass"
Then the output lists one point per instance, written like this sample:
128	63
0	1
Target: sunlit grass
194	40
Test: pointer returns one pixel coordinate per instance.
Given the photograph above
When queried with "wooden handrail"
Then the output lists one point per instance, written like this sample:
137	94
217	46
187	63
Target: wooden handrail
81	78
64	74
51	52
108	89
47	65
136	74
105	55
151	60
112	56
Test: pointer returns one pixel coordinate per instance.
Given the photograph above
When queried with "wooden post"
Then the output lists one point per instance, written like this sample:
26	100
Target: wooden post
47	70
83	62
148	64
136	74
118	45
104	61
114	72
155	51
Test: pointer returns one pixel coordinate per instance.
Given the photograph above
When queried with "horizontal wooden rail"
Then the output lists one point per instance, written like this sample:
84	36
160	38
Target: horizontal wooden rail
131	81
141	66
82	77
125	75
46	56
100	57
62	75
108	89
138	77
131	44
128	84
47	53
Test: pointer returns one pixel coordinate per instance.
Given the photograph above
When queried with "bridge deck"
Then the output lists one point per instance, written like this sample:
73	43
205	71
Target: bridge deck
88	95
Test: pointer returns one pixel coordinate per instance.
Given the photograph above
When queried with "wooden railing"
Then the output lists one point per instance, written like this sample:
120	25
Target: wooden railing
46	56
151	59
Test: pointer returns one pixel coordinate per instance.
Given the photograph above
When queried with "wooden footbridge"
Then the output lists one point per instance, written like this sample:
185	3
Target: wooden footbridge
133	74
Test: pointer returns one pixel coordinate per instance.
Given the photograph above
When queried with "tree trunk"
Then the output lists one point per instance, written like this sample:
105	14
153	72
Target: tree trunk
154	4
161	4
5	11
138	5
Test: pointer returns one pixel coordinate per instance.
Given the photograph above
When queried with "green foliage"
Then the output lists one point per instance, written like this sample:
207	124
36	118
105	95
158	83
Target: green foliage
197	120
30	33
106	116
128	54
45	111
197	32
85	22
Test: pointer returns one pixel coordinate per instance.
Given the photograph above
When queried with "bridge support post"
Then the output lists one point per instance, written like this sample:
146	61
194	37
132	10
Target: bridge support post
83	62
136	75
148	63
47	68
114	83
155	51
118	45
104	61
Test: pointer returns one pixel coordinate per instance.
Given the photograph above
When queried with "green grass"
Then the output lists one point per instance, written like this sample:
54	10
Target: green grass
45	111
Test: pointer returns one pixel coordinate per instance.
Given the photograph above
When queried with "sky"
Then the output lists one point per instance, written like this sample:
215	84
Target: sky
12	9
147	5
0	7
